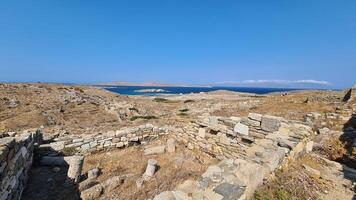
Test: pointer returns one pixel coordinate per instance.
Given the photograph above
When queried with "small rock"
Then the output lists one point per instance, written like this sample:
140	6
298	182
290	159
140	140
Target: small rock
312	171
309	147
93	173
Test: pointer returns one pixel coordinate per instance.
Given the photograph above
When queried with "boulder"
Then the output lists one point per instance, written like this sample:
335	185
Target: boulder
270	123
155	150
241	129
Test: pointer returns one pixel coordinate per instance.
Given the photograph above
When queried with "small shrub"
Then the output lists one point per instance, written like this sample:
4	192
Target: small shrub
163	100
146	117
69	151
133	109
189	101
183	114
184	110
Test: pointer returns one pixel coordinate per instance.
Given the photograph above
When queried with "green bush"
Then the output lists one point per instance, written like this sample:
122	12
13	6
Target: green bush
146	117
133	109
69	151
189	101
163	100
184	110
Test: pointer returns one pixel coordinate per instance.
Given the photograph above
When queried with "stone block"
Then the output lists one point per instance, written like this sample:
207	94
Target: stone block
255	116
241	129
155	150
201	132
270	123
171	145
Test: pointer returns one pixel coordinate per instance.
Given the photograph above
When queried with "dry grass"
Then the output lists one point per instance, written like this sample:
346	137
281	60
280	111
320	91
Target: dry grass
294	182
131	163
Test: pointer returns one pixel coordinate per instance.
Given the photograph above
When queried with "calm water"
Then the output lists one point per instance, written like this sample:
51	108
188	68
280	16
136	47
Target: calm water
132	90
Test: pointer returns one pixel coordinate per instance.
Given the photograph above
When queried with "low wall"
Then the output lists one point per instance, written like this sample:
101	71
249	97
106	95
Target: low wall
16	156
125	137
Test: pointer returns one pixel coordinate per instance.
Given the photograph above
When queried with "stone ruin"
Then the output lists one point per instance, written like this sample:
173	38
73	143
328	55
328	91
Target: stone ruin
250	149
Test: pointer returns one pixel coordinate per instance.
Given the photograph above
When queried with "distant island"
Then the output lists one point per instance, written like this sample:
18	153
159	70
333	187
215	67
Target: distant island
149	84
150	90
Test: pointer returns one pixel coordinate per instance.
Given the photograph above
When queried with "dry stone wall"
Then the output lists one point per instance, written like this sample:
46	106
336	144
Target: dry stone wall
125	137
16	156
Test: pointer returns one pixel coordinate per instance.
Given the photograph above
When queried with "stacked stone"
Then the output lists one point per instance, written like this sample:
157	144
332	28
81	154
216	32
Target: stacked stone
227	137
16	155
110	140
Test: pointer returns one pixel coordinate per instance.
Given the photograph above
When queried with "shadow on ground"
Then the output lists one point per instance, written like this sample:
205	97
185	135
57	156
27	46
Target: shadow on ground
49	182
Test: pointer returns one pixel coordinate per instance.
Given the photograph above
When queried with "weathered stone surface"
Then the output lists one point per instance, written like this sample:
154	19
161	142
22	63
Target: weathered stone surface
86	184
270	123
92	193
287	143
224	139
155	150
75	168
93	173
201	132
241	129
213	172
254	123
229	191
112	183
309	147
312	171
236	119
151	168
171	145
168	195
255	116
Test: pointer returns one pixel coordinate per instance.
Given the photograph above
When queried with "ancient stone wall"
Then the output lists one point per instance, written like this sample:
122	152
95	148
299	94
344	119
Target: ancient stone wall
228	137
16	155
110	140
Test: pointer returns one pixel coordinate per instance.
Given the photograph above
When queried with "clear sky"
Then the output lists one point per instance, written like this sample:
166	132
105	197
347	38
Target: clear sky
305	42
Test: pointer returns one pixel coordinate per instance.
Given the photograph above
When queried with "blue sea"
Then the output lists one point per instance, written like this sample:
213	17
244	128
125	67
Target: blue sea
133	90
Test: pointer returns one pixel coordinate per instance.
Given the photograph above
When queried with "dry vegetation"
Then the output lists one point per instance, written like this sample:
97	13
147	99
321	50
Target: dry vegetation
174	168
294	182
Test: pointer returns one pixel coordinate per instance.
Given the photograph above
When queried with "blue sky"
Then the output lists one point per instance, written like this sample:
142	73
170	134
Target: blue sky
306	43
